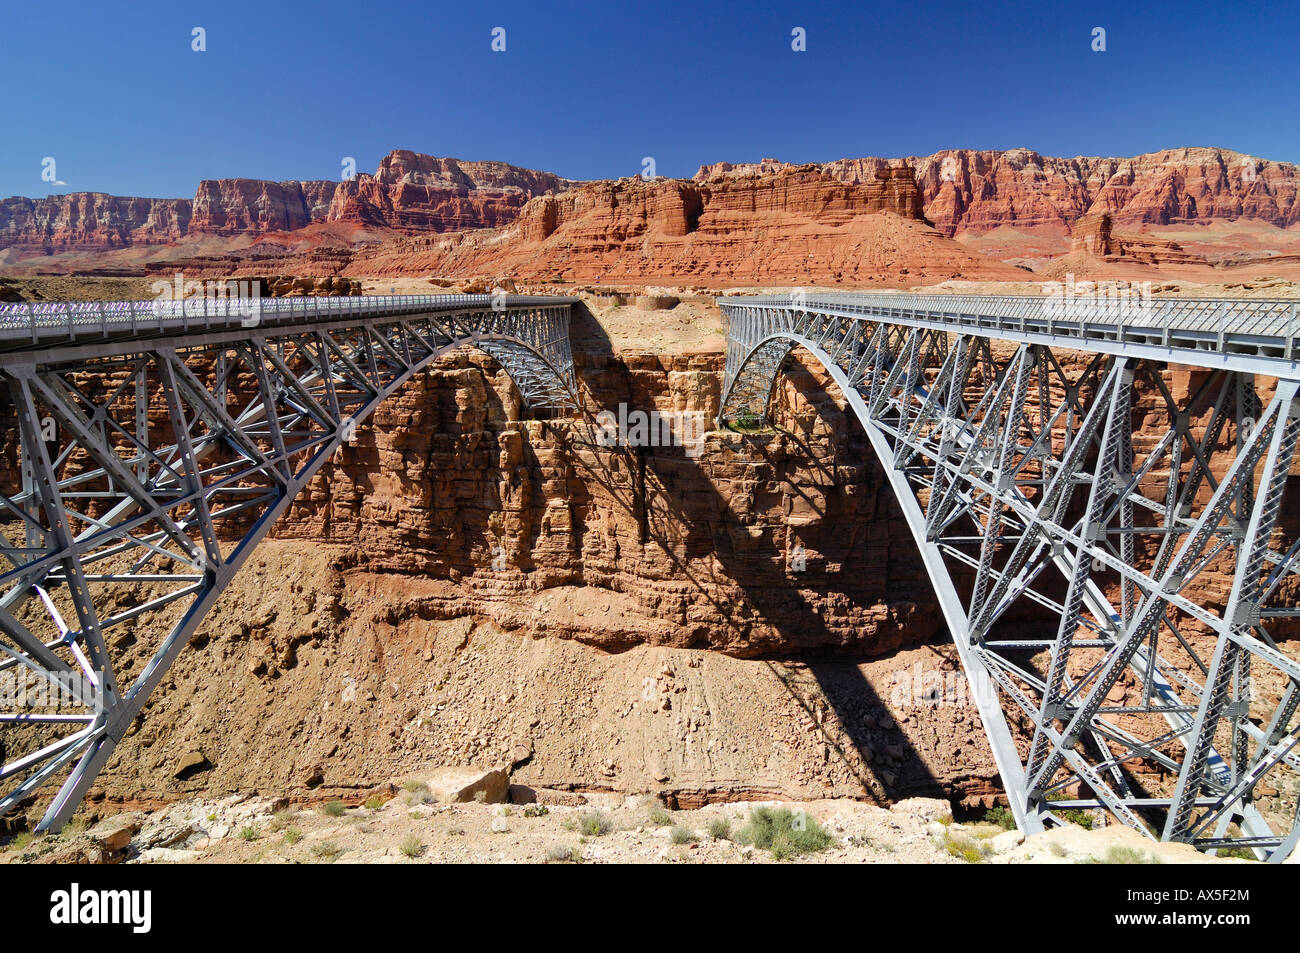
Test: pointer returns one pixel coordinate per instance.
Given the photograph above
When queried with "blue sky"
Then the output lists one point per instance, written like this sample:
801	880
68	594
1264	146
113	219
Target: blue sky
285	90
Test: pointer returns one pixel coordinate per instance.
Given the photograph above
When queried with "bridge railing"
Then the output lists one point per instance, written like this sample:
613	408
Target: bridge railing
1261	326
34	322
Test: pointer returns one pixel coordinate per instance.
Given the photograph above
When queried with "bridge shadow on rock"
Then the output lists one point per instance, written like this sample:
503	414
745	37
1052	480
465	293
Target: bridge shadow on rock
742	571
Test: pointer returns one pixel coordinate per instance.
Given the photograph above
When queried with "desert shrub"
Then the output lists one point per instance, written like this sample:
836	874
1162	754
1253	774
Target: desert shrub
720	828
281	819
964	847
21	839
374	802
1118	854
563	854
783	832
292	835
746	421
416	792
1240	853
536	810
1002	817
249	833
1082	818
326	850
411	846
595	824
333	809
682	835
660	816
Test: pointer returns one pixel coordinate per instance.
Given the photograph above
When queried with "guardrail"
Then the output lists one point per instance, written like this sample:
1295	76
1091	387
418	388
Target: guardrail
1269	327
41	322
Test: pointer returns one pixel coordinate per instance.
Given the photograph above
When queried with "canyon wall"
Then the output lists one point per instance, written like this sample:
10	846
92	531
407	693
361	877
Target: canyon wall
409	191
958	191
91	220
974	190
463	586
790	224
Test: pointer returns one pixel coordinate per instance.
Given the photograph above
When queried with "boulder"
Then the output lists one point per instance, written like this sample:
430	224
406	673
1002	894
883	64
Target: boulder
1007	840
459	785
190	764
115	833
926	808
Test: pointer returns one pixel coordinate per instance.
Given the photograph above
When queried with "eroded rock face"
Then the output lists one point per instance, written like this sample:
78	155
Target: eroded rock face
734	225
759	222
970	190
91	220
423	193
465	588
518	520
410	192
255	207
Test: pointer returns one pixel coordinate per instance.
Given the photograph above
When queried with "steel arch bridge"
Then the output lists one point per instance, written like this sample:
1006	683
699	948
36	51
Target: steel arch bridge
147	447
1095	487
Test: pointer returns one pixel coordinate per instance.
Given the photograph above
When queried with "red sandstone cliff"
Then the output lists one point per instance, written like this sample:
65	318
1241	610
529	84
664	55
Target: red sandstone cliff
90	220
423	193
254	207
409	192
978	190
737	224
967	190
758	222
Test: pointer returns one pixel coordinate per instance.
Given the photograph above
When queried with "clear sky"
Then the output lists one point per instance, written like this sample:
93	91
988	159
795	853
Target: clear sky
113	92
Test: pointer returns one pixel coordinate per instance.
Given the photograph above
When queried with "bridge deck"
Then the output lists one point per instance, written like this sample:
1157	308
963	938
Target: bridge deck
27	325
1242	334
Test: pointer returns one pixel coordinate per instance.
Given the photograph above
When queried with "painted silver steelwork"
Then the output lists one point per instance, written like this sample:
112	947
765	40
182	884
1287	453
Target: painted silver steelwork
1096	490
149	447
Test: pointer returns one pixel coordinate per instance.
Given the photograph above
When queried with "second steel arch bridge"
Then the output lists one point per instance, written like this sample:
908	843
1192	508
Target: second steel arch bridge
1113	470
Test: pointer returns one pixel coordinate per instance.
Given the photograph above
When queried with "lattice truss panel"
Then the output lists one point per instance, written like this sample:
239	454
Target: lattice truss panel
133	486
1108	541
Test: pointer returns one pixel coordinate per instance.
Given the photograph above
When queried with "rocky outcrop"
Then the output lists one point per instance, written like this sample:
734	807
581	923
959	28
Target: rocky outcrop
1095	235
881	185
729	225
255	207
970	190
90	220
409	192
422	193
543	531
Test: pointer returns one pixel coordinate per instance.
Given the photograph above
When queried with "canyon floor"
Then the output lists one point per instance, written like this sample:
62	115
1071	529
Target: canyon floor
398	827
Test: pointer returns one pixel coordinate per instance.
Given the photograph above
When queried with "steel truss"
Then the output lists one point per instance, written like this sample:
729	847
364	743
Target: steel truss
155	448
1110	592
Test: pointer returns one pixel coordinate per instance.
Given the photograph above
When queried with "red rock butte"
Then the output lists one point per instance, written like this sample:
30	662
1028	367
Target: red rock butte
991	215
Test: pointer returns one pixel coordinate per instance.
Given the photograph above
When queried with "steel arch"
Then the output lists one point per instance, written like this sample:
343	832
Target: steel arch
953	427
158	457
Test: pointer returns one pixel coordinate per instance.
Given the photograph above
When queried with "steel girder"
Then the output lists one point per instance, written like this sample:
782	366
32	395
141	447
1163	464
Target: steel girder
1114	593
146	469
